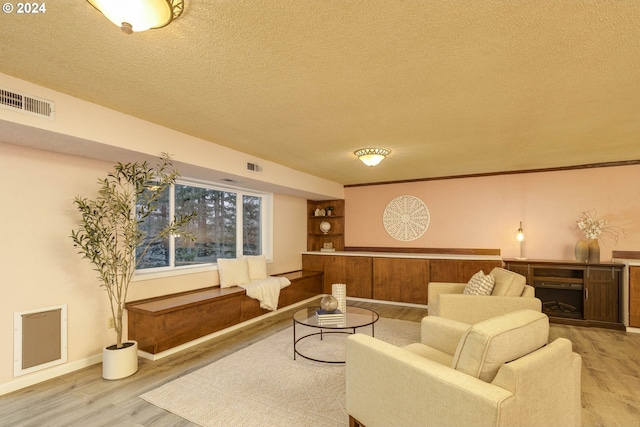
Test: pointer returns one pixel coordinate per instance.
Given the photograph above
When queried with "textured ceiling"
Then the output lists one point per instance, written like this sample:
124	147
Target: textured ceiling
451	87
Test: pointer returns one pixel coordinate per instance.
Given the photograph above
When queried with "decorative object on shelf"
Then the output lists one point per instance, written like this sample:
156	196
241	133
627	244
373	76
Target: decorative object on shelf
325	227
328	303
406	218
316	212
372	156
327	247
142	16
594	251
520	237
339	291
594	228
329	210
582	251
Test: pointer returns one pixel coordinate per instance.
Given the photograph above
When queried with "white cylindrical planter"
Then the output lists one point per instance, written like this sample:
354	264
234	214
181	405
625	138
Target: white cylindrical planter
120	363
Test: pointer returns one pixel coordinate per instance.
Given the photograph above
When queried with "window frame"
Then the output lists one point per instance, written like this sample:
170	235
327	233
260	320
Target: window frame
266	229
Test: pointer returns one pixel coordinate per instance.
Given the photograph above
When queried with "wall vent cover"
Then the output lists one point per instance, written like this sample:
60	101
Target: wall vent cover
20	102
254	167
39	339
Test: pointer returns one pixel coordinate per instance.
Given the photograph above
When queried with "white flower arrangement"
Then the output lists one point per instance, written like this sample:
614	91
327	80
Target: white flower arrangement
594	227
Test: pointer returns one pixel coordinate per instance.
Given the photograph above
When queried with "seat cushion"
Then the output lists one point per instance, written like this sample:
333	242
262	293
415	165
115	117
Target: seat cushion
507	283
488	345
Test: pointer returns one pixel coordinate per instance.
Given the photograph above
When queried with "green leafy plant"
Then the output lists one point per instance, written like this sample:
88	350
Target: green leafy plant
109	233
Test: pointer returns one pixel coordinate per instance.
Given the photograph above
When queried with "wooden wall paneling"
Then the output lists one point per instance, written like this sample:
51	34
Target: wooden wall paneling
634	296
308	285
459	271
179	327
356	272
313	262
401	279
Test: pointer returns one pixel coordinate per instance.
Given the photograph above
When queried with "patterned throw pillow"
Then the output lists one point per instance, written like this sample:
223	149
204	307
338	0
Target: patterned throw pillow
233	272
257	267
480	284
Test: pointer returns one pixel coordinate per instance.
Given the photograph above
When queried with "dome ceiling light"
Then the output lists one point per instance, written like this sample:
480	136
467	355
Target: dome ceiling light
139	15
372	156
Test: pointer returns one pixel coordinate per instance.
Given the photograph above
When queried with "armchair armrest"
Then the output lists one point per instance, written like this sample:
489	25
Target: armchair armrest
434	289
472	309
387	385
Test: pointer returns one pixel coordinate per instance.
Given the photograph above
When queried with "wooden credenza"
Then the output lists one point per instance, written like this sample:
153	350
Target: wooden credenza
394	277
575	293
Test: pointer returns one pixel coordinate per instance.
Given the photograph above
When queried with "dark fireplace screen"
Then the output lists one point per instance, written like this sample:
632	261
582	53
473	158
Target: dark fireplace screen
561	299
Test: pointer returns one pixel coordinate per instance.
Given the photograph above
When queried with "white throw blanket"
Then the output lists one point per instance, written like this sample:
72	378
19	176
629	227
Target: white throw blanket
267	291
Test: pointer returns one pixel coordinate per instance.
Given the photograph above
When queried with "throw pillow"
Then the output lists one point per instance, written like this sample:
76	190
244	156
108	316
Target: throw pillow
257	267
479	284
233	272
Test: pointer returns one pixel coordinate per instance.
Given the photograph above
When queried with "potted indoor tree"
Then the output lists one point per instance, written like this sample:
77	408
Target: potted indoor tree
110	236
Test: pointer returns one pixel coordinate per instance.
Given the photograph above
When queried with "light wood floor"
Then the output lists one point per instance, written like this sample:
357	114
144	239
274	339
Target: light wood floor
610	379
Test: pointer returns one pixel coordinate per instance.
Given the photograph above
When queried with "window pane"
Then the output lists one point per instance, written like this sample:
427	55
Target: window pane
251	225
157	255
214	226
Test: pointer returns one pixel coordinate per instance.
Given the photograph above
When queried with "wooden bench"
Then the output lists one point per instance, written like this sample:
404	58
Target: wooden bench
164	322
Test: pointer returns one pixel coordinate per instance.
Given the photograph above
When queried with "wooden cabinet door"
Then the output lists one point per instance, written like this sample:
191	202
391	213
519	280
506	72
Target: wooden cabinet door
313	262
459	271
634	296
601	296
401	279
354	271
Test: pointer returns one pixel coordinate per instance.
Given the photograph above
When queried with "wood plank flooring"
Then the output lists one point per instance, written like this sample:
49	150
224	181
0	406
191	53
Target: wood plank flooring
610	379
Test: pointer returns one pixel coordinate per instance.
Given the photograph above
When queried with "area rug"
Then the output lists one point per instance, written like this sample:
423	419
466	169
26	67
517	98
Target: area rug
261	385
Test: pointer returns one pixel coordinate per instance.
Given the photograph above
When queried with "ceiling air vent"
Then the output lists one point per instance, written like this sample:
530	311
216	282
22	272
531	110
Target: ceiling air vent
20	102
254	167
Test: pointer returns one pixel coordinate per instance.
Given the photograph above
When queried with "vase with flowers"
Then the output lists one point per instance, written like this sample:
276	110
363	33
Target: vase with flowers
593	228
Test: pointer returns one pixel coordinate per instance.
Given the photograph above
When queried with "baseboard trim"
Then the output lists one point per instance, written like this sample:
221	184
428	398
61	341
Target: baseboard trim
51	373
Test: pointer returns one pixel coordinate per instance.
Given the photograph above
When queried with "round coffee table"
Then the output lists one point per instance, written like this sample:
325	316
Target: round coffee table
354	318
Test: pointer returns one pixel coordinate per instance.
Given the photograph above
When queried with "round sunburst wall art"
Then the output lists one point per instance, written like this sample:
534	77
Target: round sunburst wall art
406	218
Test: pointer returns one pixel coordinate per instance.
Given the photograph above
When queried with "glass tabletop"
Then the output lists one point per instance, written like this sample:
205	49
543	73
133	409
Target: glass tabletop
355	317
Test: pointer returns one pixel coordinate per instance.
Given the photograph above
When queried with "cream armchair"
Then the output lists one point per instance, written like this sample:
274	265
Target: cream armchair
500	372
510	293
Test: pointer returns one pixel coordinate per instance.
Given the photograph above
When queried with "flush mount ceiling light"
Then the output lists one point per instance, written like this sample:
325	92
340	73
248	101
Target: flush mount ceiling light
372	156
139	15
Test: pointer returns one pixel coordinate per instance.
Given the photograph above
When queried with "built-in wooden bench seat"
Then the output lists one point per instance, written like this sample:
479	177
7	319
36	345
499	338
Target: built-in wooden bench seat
164	322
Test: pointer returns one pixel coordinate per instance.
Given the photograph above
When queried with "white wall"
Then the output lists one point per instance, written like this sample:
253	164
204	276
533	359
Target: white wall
44	164
39	266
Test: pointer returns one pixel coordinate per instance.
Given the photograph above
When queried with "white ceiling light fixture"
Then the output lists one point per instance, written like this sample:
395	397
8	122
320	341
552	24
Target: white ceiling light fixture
139	15
372	156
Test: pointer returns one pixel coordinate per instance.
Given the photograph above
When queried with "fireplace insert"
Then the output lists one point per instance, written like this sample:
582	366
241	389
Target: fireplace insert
560	299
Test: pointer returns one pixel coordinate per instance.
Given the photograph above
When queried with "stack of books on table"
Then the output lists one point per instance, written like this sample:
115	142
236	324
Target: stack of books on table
329	318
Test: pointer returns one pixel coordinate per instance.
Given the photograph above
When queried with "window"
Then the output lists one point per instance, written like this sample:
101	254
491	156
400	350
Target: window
229	223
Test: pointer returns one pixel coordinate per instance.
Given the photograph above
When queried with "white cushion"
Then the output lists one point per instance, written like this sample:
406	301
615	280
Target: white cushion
479	284
233	272
257	267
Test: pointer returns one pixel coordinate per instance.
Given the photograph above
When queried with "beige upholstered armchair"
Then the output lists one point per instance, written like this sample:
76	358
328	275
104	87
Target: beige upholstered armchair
500	372
510	293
